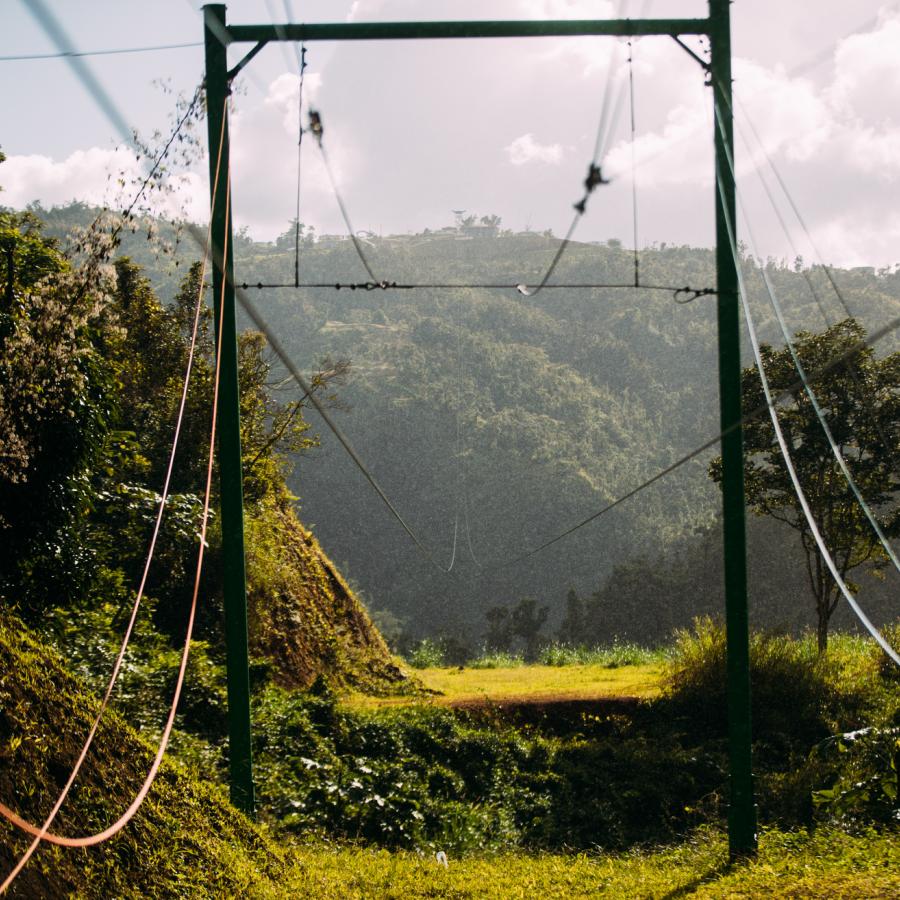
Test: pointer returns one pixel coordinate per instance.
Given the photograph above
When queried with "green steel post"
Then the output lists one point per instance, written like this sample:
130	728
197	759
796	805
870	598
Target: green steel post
742	810
229	423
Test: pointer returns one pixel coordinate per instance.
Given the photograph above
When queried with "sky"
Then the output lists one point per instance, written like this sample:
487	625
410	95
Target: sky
417	129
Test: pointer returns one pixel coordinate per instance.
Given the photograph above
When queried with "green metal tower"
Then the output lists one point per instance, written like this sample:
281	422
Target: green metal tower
218	35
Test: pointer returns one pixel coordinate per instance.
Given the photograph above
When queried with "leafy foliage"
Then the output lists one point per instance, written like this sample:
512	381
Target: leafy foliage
860	399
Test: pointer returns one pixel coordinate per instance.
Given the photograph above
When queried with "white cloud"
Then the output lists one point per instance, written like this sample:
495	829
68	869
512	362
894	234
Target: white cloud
284	92
97	176
857	238
525	149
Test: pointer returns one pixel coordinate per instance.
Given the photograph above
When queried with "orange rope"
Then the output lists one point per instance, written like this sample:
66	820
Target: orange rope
42	833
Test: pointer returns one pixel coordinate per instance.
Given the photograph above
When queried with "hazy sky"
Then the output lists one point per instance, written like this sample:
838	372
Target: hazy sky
416	129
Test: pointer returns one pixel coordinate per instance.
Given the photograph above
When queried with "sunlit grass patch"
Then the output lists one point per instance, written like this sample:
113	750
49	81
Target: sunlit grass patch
823	864
534	682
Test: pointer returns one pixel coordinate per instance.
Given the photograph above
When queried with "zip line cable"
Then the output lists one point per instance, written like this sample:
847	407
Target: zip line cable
813	526
43	832
112	52
820	414
773	414
280	32
302	65
634	202
888	444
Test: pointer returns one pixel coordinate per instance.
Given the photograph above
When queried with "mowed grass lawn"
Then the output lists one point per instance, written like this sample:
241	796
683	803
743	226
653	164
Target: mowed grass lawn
522	683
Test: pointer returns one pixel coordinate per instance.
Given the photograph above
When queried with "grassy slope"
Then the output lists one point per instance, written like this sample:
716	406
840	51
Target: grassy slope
303	614
185	833
186	841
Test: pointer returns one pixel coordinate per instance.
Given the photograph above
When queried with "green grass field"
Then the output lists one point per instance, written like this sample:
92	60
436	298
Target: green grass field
825	864
538	683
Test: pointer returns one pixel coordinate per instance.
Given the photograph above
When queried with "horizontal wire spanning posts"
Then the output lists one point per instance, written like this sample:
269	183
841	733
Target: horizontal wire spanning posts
690	292
399	31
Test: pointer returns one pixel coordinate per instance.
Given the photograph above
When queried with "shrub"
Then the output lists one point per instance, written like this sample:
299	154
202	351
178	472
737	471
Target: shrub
612	656
798	696
864	783
427	654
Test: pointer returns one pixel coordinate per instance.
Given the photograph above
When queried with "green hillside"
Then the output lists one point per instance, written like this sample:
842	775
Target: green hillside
506	419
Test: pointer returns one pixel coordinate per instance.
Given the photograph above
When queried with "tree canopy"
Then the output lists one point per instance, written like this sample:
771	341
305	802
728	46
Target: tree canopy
860	399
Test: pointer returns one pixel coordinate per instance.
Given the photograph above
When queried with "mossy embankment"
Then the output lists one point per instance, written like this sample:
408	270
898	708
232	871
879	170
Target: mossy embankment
184	837
304	617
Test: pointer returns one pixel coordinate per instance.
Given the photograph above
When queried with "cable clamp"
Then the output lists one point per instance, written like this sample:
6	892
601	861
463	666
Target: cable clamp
691	294
315	125
594	178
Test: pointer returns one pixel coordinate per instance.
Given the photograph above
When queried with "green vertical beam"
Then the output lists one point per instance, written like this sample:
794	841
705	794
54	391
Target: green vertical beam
229	423
741	810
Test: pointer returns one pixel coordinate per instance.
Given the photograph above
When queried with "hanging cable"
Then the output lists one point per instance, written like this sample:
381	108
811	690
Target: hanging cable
318	132
43	832
634	206
779	435
820	414
302	64
888	444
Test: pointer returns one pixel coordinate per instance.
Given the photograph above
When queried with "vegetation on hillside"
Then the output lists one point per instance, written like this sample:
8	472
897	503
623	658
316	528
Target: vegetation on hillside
563	402
535	403
93	367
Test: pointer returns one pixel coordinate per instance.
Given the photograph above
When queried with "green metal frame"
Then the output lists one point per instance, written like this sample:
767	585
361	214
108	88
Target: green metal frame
218	35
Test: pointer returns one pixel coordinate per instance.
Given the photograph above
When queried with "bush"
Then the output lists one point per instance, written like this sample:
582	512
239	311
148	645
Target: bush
427	654
798	696
416	778
864	784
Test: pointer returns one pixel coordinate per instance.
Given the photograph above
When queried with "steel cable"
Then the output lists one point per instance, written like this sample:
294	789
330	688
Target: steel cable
782	443
820	414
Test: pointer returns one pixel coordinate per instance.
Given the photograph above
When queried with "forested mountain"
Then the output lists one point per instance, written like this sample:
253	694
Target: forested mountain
505	419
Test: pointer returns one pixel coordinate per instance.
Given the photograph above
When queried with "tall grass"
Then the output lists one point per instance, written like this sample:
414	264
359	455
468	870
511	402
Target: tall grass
558	654
796	692
611	656
496	660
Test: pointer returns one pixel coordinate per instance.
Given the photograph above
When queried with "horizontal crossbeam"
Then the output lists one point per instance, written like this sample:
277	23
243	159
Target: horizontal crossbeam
400	31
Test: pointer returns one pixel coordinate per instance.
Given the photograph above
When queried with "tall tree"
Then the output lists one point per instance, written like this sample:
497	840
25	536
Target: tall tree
861	401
